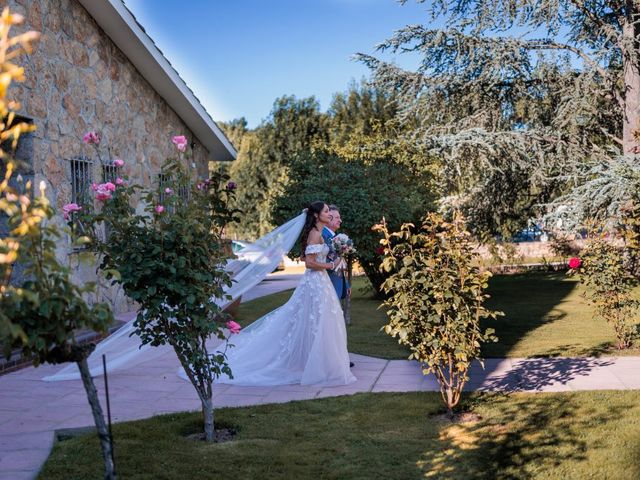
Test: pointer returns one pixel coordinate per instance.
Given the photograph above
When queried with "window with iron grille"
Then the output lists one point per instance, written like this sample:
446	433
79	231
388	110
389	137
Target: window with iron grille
81	179
184	193
163	181
109	173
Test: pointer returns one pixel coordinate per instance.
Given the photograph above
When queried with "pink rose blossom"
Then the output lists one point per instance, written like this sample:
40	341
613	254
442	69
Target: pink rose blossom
168	191
159	209
233	327
118	163
94	187
70	208
119	181
91	138
180	142
574	263
103	197
103	191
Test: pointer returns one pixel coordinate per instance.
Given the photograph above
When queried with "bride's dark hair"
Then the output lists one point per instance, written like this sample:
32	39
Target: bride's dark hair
313	209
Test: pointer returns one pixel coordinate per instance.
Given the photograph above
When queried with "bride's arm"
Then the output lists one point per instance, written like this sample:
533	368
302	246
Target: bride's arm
311	262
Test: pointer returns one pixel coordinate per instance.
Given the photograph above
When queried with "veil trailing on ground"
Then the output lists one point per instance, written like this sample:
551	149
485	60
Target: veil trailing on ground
252	265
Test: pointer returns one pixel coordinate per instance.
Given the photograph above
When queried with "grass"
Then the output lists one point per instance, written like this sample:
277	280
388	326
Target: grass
586	435
545	315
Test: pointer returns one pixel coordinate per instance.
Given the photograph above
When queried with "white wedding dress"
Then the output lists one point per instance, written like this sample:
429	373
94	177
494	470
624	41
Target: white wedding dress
302	342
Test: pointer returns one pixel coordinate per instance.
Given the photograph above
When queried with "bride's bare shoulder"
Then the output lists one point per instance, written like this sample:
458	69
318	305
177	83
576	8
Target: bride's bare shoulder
315	237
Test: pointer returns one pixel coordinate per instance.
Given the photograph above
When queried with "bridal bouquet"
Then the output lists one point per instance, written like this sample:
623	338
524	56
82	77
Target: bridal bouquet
343	247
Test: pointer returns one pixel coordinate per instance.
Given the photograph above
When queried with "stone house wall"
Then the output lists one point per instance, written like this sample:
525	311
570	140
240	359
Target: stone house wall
78	80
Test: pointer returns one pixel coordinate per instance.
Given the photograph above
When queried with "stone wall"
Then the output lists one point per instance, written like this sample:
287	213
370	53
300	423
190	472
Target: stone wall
78	80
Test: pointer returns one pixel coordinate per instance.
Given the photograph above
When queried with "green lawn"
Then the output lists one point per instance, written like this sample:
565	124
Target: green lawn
587	435
545	315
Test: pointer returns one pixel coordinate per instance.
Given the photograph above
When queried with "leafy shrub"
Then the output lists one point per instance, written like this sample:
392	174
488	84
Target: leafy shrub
604	268
436	295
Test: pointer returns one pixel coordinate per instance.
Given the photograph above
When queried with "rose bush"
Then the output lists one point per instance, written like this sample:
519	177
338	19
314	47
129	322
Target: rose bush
170	260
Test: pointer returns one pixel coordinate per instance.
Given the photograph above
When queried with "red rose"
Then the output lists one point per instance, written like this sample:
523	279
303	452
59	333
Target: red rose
574	263
380	250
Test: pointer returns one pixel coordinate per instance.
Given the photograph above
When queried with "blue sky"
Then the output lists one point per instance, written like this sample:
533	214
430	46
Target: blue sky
238	56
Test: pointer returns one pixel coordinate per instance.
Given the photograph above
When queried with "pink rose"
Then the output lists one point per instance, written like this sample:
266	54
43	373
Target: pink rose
94	187
180	142
574	263
159	209
103	191
118	163
168	191
233	327
103	197
91	138
69	208
119	181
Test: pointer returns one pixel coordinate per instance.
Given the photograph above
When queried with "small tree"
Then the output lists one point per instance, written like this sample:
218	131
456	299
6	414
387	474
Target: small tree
49	308
170	260
436	295
41	315
604	268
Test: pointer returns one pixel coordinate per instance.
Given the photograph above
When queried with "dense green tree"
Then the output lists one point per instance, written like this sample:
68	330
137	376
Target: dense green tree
365	190
500	105
293	126
360	110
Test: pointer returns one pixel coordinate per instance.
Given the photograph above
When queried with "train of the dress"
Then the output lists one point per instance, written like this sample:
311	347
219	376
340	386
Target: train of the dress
302	342
252	265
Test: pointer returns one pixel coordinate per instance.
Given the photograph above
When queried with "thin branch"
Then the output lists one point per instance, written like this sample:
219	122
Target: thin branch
607	28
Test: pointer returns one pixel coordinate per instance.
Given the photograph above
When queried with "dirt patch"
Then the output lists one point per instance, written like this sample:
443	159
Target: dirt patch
458	418
221	435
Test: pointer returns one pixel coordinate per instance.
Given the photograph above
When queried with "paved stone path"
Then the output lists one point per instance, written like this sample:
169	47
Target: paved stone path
31	410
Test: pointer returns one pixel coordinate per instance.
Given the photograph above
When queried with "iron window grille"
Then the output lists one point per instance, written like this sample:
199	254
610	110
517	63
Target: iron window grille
81	180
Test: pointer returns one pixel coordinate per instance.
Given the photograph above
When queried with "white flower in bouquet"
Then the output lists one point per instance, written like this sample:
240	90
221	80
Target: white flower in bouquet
343	245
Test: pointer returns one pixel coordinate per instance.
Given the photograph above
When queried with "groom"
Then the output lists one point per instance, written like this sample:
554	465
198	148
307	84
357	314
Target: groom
338	279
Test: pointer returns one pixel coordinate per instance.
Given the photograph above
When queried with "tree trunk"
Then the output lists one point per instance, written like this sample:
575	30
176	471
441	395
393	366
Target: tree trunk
449	402
631	67
207	415
98	418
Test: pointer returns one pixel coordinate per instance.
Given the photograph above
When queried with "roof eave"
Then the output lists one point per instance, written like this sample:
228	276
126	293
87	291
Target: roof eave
123	29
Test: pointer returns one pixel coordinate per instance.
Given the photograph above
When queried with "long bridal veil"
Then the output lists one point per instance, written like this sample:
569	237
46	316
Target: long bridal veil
252	265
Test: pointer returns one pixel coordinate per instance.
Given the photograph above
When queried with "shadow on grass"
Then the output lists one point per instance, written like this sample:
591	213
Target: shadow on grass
528	302
548	436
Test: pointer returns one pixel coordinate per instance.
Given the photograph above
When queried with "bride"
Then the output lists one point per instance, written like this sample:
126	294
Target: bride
305	340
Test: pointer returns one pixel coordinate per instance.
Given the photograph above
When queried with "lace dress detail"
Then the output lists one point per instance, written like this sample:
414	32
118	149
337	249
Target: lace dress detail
302	342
